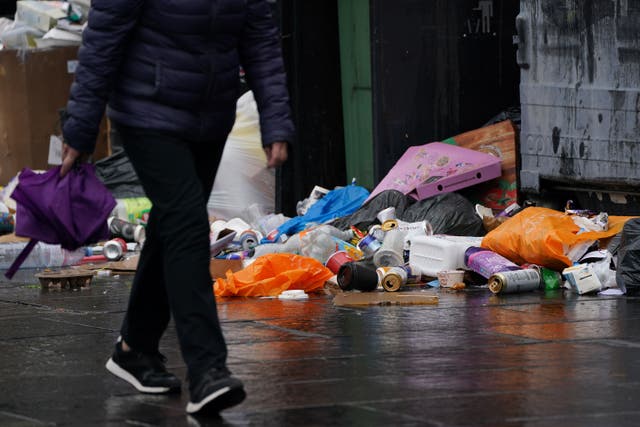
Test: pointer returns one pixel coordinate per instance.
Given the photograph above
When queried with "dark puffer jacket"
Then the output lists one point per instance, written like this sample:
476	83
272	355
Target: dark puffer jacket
173	66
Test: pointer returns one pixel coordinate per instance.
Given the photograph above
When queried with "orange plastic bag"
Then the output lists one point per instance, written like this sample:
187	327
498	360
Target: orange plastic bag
543	236
271	274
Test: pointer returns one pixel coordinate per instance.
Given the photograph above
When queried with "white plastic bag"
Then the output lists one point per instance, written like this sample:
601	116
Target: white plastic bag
243	178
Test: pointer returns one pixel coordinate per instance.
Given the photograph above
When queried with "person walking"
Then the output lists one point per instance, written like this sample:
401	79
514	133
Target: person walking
167	72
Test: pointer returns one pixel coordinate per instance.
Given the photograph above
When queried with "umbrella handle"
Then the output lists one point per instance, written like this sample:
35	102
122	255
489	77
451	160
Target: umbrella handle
20	259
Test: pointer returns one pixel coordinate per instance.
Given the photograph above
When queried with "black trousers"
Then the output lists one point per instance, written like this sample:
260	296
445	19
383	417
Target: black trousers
173	272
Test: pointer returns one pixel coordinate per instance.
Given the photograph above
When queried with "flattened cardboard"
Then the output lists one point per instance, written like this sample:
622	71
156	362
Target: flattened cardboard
219	267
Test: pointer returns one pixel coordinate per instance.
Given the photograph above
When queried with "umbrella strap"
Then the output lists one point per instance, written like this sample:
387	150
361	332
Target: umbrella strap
20	259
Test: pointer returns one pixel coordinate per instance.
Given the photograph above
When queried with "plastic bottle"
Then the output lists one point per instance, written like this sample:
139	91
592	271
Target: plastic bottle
290	246
346	235
42	255
318	245
135	209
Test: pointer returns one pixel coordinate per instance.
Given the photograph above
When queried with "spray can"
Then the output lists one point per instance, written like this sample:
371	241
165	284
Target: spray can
514	281
126	230
396	277
114	249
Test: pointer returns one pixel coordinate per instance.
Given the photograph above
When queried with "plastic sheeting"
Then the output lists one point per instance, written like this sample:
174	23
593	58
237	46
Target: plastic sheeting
243	178
272	274
339	202
448	213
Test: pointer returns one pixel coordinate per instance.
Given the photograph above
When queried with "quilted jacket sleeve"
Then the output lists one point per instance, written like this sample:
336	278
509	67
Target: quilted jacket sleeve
103	43
261	58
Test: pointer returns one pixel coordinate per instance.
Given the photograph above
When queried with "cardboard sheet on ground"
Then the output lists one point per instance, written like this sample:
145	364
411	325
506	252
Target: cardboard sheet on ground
271	274
436	168
128	265
384	298
543	236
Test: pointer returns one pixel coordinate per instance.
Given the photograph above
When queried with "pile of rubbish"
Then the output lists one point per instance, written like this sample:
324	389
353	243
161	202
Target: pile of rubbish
41	24
446	216
395	243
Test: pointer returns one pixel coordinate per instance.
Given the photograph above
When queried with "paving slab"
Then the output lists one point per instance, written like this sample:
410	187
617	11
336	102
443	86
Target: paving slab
474	359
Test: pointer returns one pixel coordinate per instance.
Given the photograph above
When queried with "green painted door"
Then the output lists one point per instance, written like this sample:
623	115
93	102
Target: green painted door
355	64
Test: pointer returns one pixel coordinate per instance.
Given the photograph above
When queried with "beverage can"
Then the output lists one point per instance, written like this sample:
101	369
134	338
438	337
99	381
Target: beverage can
336	260
369	245
396	277
121	228
114	249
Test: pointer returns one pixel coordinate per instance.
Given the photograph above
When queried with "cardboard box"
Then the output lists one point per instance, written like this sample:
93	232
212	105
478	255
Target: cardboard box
219	267
42	15
582	279
435	168
34	86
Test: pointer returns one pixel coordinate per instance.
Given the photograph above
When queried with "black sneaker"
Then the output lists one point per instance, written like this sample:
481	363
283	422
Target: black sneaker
146	372
214	391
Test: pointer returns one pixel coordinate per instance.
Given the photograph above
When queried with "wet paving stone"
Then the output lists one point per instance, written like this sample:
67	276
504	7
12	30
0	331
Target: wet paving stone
534	359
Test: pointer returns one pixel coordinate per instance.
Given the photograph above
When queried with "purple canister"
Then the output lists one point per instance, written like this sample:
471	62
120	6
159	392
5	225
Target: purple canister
486	262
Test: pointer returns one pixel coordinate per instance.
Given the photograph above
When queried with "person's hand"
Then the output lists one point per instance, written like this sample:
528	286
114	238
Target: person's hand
276	154
69	157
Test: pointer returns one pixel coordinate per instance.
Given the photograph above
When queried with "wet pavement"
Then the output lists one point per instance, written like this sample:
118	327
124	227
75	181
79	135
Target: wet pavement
474	359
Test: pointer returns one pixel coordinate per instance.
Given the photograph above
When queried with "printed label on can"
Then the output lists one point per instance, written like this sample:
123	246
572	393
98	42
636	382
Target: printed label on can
514	281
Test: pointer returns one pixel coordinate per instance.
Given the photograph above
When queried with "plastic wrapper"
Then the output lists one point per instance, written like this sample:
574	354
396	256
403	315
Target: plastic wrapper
545	237
117	174
243	178
272	274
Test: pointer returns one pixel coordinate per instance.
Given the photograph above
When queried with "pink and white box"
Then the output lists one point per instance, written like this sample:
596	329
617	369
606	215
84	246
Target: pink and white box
435	168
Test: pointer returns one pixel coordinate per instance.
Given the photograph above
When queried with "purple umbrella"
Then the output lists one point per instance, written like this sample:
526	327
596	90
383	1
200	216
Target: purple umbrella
71	211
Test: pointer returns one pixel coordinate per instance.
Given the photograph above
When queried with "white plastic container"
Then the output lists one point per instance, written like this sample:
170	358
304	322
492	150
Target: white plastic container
439	252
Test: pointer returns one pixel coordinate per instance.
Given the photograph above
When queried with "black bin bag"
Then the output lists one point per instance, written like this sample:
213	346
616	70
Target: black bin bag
628	266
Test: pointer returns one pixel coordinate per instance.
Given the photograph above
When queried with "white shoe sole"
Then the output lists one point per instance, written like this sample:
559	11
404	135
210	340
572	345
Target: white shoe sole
192	408
122	374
